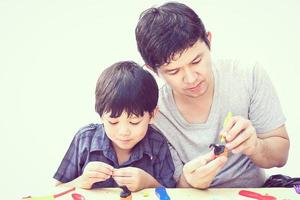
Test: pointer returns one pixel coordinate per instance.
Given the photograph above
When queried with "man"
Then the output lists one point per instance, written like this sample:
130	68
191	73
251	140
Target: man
198	95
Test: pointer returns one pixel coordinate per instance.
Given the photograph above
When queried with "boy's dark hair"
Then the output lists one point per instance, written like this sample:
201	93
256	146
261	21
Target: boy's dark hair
167	30
126	86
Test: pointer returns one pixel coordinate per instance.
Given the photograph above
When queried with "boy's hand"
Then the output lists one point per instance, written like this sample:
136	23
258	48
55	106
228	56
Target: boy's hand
134	178
94	172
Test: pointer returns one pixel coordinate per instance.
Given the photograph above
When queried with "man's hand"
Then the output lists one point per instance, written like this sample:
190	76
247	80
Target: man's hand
134	178
201	171
93	172
266	150
240	136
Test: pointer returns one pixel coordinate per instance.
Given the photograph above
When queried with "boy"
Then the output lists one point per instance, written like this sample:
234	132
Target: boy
124	149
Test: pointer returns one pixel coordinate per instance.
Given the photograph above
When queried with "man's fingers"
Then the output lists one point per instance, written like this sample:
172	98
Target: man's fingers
240	125
198	162
212	167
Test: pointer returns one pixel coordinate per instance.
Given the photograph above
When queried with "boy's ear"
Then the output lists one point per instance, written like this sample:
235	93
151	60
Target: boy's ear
153	114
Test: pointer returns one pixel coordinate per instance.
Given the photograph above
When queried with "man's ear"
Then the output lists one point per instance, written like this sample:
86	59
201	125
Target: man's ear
153	115
209	36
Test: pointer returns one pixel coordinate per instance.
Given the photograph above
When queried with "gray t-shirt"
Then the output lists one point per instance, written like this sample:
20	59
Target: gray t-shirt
240	87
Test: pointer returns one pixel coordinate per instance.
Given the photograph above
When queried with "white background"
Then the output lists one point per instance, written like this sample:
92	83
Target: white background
51	53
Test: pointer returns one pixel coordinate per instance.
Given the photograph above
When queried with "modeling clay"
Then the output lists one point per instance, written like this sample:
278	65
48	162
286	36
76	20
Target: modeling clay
161	193
125	194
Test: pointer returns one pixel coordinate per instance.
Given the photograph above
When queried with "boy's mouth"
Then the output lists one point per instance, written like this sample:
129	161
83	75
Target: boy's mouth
125	141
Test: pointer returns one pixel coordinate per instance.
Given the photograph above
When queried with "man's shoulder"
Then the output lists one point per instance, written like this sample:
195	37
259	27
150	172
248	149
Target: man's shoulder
237	65
235	70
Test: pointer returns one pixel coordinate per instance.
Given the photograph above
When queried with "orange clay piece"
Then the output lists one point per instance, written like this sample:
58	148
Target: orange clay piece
126	198
225	153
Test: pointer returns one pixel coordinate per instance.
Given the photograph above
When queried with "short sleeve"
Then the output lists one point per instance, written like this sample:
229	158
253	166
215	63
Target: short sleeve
265	111
68	169
166	167
177	163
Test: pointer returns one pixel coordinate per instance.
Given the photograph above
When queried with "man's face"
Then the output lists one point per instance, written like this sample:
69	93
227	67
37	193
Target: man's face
189	74
126	131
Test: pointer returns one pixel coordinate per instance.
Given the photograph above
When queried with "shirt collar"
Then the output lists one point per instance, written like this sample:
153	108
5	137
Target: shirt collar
142	147
100	141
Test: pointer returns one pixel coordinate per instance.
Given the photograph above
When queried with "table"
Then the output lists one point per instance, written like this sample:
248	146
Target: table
180	194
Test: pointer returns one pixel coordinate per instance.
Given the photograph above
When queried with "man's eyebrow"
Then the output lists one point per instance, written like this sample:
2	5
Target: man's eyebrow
169	70
197	56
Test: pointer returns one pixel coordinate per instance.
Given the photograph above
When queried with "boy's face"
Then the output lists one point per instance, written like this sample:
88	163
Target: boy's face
189	74
126	131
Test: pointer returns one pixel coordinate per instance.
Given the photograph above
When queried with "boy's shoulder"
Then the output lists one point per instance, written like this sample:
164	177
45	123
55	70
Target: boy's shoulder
155	136
89	131
157	144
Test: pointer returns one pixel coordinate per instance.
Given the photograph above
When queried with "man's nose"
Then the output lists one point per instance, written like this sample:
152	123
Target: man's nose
189	76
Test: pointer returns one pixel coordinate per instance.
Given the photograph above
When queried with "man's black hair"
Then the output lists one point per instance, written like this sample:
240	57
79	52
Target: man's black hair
167	30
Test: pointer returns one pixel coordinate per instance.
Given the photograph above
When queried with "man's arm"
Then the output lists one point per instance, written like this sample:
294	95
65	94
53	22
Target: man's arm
272	149
266	150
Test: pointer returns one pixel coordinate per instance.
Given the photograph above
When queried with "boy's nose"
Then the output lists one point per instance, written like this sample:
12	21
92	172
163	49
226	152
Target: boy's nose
124	130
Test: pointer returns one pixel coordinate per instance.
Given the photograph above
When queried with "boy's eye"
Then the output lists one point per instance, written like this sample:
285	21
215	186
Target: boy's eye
134	123
112	123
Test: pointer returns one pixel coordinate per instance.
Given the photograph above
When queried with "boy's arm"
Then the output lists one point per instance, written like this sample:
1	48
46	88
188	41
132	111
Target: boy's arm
167	169
150	182
94	171
74	183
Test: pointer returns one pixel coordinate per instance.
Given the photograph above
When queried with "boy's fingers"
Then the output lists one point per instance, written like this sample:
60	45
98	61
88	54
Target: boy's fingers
122	180
95	180
121	172
100	167
94	174
104	165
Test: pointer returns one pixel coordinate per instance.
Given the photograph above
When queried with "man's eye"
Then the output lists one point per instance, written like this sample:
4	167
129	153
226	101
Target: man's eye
112	123
134	123
173	72
196	62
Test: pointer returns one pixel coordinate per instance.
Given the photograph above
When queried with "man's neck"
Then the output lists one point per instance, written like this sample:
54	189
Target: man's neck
195	109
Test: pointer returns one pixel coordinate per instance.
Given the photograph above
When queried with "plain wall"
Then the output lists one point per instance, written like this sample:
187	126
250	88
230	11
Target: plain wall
51	53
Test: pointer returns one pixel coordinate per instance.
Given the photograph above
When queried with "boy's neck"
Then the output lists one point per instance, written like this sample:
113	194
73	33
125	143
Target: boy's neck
122	155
